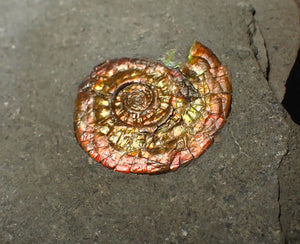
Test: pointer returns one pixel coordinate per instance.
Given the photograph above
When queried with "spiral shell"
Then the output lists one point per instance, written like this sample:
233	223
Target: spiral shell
137	115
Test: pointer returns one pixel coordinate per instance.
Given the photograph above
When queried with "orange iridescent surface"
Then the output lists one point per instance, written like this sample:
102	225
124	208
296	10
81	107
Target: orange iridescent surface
140	116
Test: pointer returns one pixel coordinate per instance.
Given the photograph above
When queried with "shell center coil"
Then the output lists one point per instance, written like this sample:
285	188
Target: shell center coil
136	97
136	104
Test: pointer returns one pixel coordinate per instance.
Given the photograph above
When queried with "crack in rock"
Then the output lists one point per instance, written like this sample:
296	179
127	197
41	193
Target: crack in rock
239	146
258	45
283	235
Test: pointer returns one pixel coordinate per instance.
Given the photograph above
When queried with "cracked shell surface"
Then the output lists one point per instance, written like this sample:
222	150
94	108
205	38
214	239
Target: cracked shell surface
140	116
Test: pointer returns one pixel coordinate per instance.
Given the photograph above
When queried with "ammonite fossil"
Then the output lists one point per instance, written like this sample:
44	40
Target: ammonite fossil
140	116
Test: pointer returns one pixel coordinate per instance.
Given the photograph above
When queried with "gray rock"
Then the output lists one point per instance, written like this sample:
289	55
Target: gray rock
52	192
278	24
289	179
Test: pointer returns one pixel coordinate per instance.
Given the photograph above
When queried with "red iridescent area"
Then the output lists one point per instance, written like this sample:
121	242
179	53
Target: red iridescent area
140	116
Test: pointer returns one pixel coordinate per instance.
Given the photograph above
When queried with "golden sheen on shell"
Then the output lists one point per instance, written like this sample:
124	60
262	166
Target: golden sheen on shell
140	116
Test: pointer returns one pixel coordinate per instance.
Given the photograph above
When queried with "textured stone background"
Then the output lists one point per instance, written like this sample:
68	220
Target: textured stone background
242	190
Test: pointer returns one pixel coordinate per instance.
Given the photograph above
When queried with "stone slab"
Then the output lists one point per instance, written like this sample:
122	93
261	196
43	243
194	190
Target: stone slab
277	22
51	191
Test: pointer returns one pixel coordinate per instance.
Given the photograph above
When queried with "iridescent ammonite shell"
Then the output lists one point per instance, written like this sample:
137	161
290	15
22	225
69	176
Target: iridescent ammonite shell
137	115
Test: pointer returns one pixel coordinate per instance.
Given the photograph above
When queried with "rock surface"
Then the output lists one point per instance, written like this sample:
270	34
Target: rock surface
288	175
277	25
51	191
